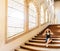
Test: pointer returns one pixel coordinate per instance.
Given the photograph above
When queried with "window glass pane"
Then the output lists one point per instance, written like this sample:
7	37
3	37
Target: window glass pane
49	17
46	16
32	16
15	19
42	15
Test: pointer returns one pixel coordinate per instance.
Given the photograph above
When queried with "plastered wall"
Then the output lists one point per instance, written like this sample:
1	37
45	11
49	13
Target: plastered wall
57	12
17	42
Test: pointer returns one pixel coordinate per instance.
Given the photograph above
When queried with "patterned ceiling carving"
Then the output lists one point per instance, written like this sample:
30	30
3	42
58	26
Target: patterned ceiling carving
56	0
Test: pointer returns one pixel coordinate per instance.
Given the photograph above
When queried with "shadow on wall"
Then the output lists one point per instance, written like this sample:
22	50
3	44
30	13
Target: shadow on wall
57	11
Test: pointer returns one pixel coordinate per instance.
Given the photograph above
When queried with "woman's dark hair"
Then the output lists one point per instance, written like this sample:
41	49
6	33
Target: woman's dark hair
47	31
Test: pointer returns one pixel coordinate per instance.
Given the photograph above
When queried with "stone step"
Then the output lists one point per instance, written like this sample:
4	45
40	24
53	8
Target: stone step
43	45
32	48
43	41
45	38
21	49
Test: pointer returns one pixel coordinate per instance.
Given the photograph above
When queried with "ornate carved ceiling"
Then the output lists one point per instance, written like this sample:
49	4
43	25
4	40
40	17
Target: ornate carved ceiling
56	0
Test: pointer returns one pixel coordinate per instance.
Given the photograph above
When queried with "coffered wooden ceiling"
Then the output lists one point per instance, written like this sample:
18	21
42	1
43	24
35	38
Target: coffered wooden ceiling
56	0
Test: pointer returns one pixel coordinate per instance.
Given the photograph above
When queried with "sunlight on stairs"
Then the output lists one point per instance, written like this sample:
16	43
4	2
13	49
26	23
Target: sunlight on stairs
38	44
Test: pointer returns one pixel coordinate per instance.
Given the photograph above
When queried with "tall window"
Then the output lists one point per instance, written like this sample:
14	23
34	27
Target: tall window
47	1
32	16
49	17
42	15
50	2
46	16
15	19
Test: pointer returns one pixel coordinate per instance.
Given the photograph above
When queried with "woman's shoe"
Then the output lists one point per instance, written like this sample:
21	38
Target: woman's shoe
46	45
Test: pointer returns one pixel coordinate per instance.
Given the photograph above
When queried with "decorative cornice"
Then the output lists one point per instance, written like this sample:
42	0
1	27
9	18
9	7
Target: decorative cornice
56	0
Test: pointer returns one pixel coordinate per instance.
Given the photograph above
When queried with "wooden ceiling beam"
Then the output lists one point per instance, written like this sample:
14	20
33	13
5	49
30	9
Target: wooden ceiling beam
56	0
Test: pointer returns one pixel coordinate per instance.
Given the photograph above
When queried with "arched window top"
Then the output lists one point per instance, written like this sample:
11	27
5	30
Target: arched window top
15	19
42	15
47	0
18	1
42	10
32	6
32	16
46	15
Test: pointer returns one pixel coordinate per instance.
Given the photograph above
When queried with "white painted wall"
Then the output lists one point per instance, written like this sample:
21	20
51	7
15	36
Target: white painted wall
57	12
16	43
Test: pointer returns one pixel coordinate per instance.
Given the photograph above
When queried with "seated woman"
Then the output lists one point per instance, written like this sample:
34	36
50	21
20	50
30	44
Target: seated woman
48	34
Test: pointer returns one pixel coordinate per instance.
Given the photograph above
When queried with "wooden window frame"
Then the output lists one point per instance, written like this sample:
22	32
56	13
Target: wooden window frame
36	16
44	15
26	2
